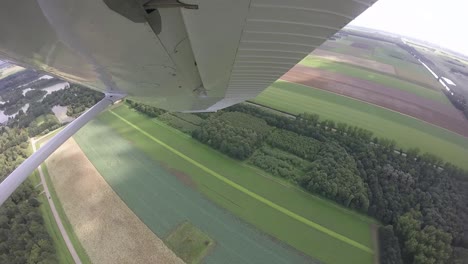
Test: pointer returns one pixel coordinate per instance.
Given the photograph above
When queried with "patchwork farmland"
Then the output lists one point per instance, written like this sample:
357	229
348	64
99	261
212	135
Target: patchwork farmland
429	108
145	161
395	97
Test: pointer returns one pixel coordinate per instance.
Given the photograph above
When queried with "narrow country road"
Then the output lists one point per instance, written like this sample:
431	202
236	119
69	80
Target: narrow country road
54	210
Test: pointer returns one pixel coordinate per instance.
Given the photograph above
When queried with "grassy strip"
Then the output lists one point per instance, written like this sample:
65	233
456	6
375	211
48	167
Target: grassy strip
375	77
58	206
250	193
406	131
61	250
66	223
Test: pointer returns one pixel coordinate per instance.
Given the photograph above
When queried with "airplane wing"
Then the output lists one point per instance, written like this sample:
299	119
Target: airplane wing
187	55
179	55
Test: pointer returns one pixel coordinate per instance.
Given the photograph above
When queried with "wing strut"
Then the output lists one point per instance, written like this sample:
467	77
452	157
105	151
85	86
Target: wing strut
21	173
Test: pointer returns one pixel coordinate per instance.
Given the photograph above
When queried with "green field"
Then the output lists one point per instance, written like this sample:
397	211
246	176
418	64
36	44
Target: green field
383	79
314	226
406	131
189	243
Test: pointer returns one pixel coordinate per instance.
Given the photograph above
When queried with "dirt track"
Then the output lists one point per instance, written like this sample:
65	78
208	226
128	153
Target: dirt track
108	230
439	114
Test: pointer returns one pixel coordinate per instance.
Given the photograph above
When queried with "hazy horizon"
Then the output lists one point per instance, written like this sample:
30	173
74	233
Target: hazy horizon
428	20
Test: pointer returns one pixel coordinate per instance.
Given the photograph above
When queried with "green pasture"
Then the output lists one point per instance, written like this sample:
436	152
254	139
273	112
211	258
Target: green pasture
312	225
408	132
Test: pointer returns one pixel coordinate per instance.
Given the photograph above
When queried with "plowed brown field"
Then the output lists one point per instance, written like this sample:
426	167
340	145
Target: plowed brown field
439	114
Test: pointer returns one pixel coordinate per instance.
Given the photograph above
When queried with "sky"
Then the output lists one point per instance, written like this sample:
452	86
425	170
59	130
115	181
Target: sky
441	22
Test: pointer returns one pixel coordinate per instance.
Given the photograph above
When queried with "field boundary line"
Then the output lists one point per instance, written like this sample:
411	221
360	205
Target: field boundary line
250	193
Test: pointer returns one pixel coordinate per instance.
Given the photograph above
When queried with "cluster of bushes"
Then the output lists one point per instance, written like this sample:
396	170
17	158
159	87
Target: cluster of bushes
236	142
294	143
238	119
235	134
279	163
146	109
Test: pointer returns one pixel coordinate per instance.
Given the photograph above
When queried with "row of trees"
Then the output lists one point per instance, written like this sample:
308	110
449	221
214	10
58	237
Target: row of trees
279	163
148	110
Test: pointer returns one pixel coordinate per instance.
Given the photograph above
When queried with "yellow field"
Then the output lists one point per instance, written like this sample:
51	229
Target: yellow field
108	230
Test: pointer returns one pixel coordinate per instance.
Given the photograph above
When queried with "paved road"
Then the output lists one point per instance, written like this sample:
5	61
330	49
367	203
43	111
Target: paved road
54	210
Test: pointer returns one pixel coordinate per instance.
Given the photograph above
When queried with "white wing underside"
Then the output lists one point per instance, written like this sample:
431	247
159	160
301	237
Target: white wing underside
178	59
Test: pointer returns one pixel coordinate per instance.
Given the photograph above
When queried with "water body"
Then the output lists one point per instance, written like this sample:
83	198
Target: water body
61	114
4	118
26	90
49	90
162	201
56	87
45	77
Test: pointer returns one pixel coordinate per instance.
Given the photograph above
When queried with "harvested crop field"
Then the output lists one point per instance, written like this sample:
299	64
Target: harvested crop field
350	59
442	115
108	230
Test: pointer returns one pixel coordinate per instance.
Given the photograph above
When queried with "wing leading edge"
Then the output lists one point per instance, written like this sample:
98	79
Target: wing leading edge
198	56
